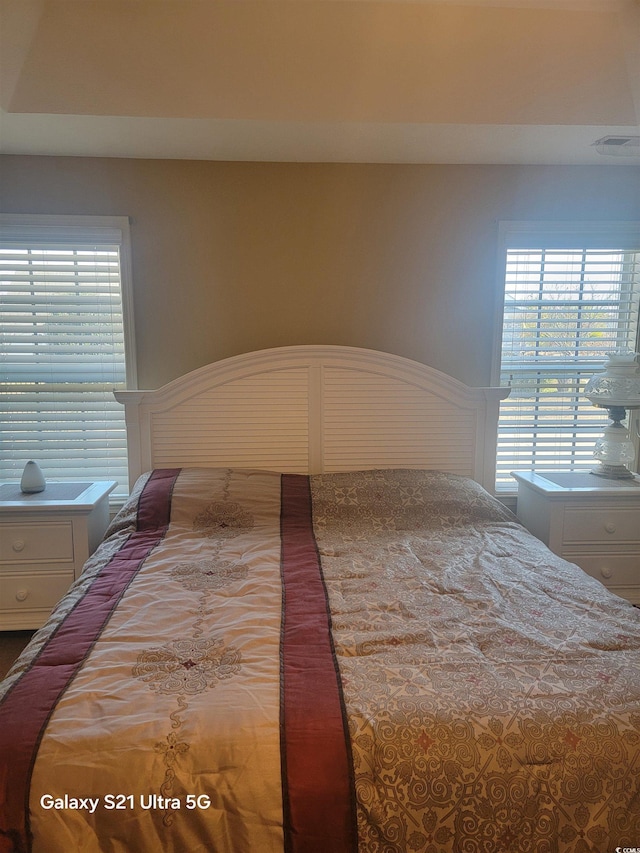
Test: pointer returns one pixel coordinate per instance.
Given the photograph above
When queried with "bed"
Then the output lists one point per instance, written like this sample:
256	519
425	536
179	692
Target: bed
312	629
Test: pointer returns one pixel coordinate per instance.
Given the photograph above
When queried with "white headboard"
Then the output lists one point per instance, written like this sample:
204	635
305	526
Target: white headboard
313	409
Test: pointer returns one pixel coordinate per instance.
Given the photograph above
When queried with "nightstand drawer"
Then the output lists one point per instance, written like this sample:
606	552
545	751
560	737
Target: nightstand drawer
29	543
589	520
34	592
610	569
603	525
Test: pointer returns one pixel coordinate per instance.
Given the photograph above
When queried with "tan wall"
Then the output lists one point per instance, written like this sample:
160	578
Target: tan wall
230	257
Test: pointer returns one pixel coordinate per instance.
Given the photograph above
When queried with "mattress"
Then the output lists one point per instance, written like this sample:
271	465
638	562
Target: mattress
370	661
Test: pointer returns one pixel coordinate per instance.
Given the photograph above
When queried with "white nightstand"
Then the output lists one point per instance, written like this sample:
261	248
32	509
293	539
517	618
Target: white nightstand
45	540
588	520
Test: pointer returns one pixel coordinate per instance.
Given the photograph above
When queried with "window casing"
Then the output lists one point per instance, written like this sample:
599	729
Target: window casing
571	295
66	343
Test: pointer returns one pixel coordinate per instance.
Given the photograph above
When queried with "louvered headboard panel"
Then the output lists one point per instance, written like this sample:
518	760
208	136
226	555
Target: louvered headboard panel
257	421
368	417
314	409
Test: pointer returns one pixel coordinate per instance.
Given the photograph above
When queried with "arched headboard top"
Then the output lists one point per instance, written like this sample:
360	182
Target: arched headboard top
312	409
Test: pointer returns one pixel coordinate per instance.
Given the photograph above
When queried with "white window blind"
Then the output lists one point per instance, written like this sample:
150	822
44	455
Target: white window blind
62	347
570	297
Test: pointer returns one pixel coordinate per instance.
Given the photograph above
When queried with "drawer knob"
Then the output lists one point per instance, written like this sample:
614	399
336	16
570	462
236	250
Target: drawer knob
18	545
610	527
22	594
606	572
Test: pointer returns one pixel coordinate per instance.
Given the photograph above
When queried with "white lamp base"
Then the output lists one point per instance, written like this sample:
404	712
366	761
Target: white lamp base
613	472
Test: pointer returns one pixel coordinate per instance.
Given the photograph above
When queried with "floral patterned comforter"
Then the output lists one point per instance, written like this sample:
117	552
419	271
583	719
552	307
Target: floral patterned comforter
372	661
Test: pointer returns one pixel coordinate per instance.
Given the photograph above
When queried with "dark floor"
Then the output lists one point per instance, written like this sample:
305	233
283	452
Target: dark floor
11	644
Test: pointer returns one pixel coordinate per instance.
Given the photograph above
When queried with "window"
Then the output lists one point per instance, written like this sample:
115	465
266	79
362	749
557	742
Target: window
571	295
65	346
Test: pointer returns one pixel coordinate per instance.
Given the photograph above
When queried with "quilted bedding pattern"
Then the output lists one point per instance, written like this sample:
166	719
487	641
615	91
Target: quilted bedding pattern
373	661
492	689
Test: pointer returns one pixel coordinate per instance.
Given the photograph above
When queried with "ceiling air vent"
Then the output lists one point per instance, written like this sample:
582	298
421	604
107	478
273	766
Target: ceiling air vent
618	146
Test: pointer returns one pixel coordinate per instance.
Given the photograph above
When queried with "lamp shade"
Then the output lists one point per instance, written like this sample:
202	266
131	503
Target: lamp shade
619	385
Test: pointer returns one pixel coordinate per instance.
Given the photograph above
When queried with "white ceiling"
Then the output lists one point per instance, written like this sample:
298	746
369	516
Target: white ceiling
438	81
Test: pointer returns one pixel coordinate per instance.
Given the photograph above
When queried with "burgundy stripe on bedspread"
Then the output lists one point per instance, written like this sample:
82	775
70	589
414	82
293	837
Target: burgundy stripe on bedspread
319	806
30	702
